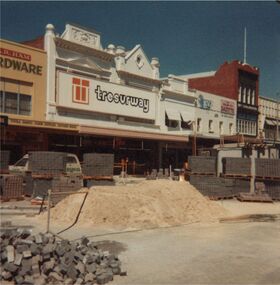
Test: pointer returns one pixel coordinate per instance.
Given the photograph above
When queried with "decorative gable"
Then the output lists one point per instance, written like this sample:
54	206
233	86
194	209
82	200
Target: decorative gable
82	36
136	62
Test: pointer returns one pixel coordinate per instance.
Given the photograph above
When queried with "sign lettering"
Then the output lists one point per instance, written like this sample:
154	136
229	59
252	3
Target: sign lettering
20	66
15	54
204	103
227	107
122	99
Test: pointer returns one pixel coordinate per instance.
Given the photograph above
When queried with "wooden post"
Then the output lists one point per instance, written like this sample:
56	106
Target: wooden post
49	210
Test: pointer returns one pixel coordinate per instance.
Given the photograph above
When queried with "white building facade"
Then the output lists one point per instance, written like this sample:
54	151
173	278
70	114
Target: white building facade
215	116
269	119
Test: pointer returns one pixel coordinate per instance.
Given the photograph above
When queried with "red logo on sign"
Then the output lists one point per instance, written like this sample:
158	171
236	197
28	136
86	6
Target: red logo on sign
80	90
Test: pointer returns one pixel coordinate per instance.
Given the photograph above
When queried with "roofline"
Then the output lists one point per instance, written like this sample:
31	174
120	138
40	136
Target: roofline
23	45
269	99
82	27
198	74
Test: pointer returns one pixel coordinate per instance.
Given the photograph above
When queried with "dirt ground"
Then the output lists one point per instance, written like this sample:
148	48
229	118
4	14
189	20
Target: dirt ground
240	252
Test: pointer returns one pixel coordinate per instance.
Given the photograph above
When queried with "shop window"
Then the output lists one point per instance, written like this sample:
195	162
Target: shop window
239	94
230	128
210	126
253	97
221	128
15	103
198	125
186	125
80	90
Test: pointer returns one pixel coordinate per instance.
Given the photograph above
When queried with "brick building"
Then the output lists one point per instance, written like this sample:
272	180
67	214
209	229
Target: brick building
238	81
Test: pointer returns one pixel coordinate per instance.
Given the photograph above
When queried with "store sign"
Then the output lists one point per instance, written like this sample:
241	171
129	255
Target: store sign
106	97
122	99
204	103
227	107
9	63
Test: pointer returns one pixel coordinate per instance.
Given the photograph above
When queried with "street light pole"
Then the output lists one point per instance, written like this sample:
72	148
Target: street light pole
277	119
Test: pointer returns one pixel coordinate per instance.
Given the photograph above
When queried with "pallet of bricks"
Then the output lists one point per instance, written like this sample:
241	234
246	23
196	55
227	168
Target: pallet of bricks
98	166
48	172
236	167
203	177
4	161
11	187
268	171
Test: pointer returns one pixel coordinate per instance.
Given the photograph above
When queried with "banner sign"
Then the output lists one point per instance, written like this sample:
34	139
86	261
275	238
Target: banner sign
104	97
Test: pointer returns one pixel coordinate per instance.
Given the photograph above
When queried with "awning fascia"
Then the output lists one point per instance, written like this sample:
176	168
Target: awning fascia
132	134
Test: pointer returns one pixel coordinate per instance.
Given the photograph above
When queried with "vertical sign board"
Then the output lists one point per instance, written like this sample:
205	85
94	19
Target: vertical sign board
87	94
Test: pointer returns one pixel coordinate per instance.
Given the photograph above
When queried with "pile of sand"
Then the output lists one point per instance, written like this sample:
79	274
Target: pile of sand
143	205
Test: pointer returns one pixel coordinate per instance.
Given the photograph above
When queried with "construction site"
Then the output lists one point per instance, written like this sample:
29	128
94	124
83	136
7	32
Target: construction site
111	173
69	222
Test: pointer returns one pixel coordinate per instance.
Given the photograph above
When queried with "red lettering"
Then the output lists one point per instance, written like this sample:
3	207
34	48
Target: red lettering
15	54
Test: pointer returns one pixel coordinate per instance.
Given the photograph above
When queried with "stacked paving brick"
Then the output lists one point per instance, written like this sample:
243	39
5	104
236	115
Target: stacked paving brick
267	167
236	166
11	186
202	164
65	184
98	164
4	160
272	188
41	259
46	162
160	174
61	183
218	187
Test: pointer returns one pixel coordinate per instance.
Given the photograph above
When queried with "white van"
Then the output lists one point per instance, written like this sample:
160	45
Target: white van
73	165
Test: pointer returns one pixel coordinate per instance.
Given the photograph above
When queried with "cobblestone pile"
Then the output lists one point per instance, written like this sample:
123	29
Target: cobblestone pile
42	259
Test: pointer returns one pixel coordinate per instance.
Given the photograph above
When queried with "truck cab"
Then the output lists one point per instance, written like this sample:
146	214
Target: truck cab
73	165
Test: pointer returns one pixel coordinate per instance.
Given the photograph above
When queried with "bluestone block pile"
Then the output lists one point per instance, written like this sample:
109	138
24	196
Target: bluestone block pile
202	164
236	166
41	162
4	160
267	167
98	164
41	259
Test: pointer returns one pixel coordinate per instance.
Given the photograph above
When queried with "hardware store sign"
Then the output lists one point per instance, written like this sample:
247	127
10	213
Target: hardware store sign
18	61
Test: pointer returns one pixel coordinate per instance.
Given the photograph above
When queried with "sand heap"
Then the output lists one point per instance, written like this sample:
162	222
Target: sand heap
143	205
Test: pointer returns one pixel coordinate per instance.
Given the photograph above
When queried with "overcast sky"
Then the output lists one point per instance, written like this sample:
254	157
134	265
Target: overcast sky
187	37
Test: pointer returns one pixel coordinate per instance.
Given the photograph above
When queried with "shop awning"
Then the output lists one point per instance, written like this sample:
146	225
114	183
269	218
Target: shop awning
173	114
187	117
132	134
270	122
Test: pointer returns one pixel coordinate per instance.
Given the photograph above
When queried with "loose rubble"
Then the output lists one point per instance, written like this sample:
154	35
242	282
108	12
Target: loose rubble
43	259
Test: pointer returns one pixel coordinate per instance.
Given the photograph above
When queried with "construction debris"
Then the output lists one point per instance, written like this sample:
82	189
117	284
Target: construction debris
41	259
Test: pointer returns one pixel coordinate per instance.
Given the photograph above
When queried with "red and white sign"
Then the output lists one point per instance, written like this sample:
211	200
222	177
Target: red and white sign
15	54
80	90
227	107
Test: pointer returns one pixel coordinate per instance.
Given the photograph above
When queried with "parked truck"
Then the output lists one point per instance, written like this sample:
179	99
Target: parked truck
72	165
